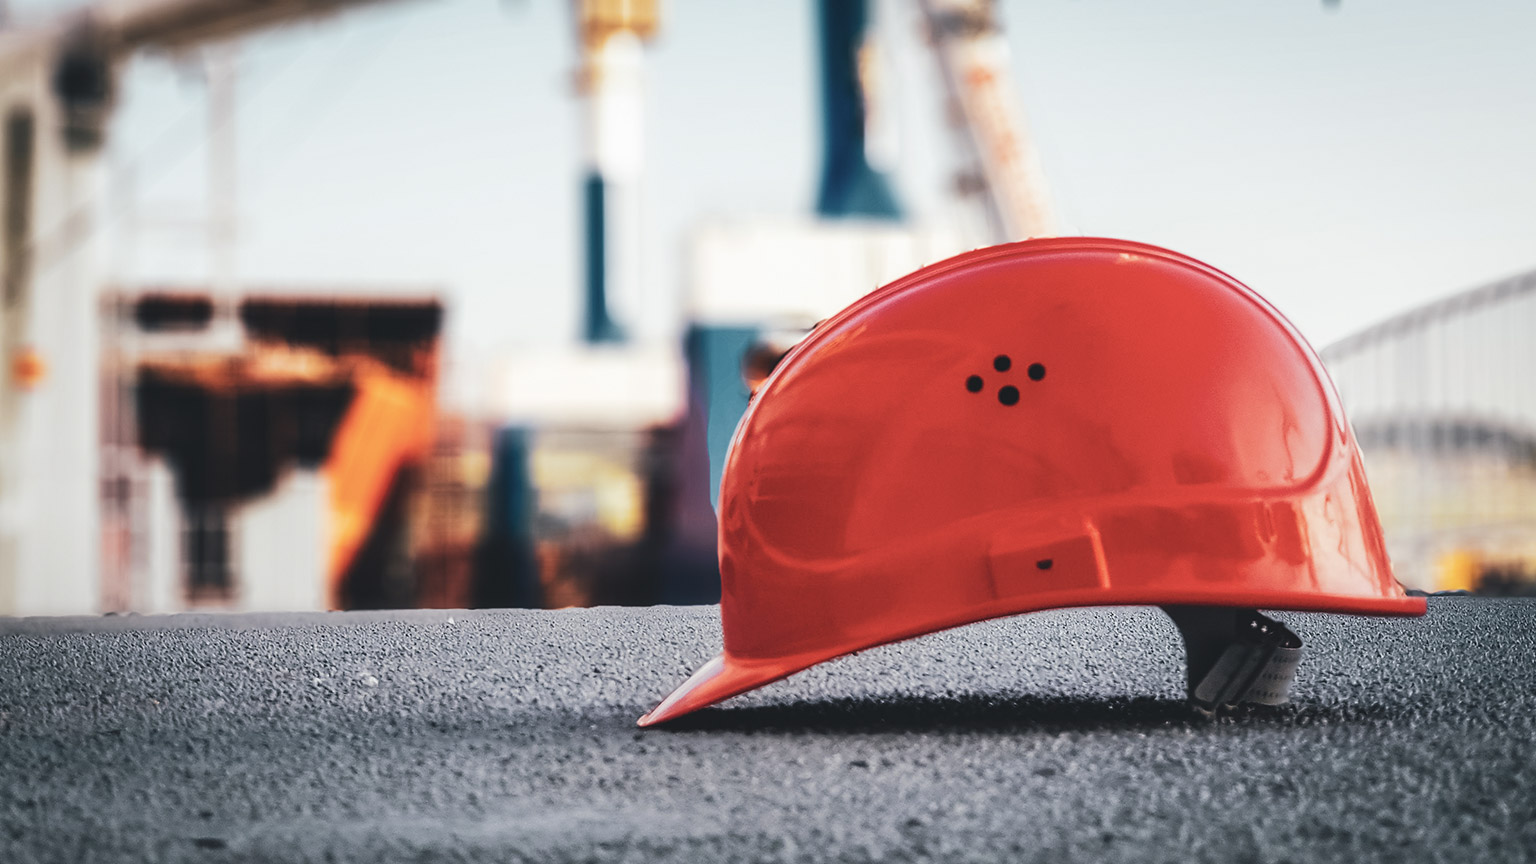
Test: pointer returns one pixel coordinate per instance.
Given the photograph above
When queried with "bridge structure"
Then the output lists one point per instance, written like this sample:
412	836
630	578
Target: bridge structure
1444	407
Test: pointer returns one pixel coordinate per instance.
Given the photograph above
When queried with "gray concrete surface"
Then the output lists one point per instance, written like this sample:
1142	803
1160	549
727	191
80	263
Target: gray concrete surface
509	736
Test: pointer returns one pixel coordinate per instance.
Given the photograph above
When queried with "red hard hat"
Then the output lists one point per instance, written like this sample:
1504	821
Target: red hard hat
1053	423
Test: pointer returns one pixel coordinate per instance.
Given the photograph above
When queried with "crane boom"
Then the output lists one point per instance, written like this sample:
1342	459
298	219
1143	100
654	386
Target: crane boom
135	24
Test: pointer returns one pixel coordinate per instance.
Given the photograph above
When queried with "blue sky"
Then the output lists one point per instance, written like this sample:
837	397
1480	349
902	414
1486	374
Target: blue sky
1346	162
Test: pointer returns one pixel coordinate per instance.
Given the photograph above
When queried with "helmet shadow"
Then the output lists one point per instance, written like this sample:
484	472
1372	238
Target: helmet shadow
1001	714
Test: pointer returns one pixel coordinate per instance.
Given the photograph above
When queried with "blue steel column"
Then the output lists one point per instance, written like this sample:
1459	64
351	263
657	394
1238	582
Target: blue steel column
597	324
850	186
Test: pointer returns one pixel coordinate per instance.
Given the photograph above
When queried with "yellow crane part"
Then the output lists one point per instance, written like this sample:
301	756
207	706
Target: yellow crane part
1457	571
388	425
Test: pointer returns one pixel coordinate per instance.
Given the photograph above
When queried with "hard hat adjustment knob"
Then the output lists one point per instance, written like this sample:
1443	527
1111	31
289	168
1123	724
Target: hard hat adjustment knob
1236	655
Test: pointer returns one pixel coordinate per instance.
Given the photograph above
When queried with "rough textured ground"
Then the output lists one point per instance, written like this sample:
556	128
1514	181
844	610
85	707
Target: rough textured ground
509	736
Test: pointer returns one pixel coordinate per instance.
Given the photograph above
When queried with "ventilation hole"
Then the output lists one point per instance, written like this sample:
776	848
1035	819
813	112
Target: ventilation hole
973	383
1044	563
1002	363
1008	395
1036	371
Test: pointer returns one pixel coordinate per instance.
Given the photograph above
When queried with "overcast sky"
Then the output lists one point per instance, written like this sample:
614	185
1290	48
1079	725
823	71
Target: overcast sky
1346	162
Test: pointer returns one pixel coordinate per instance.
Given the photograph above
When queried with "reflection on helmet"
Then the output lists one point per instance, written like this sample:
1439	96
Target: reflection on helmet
764	355
1053	423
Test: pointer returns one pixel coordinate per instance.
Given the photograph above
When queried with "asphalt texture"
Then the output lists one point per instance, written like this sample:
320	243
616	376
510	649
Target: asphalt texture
510	736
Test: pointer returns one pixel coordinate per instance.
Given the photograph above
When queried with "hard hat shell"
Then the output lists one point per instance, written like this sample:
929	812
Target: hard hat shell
1045	424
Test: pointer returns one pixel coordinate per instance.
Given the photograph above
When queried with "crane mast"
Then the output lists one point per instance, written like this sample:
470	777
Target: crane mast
612	35
1000	168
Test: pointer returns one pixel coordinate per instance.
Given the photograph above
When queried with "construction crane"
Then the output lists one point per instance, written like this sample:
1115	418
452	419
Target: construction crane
59	77
57	80
1000	169
612	34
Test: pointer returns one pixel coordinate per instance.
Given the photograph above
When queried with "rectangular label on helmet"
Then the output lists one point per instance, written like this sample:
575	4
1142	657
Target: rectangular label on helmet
1021	564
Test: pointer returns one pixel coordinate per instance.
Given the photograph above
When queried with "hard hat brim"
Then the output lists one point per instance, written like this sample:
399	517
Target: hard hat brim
718	680
725	676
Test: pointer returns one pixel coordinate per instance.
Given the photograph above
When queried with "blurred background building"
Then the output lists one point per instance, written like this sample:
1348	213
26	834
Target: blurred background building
366	303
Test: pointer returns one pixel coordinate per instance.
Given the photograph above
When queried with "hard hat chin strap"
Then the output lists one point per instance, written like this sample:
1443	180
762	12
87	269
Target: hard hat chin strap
1236	655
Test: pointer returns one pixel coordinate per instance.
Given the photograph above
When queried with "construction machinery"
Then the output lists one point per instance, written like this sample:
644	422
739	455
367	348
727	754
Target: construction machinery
84	383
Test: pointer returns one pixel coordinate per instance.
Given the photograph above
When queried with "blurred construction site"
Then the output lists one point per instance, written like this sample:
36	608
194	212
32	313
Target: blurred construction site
200	409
